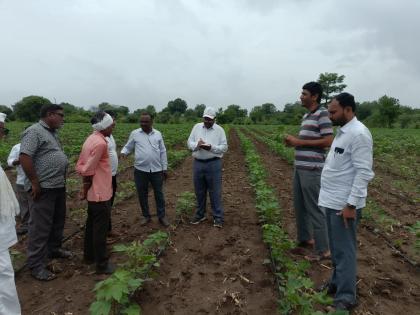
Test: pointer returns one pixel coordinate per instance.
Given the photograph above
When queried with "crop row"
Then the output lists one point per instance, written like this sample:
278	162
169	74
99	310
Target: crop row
296	289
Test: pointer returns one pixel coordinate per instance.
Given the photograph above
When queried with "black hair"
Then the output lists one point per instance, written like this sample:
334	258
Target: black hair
314	88
346	100
49	108
97	117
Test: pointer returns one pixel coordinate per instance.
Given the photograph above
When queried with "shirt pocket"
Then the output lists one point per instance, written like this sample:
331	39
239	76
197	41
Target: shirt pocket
155	144
338	157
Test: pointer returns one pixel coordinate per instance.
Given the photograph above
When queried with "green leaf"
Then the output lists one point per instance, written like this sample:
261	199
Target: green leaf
100	308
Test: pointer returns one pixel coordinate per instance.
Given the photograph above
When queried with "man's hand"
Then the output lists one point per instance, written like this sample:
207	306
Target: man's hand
347	214
291	141
165	175
16	162
36	190
202	145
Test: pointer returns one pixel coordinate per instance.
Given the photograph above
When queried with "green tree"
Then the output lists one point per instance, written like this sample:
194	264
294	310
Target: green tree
332	84
231	113
199	110
389	110
28	108
177	106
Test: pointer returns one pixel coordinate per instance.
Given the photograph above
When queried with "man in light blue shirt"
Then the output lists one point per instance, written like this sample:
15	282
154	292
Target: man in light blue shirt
344	181
208	142
150	165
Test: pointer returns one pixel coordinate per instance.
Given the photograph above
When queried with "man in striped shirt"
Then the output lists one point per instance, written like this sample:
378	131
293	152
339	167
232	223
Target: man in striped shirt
315	135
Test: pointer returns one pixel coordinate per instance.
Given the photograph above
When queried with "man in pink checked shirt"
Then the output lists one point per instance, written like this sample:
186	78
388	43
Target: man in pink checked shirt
94	165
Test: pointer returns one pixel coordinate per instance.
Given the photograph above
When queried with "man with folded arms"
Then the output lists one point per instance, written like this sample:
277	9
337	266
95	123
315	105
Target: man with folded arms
344	180
208	142
45	164
94	165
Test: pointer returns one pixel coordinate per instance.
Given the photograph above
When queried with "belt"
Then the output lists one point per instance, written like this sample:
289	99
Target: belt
208	160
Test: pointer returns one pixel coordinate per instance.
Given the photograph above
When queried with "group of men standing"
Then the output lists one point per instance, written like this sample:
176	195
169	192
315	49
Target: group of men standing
42	167
329	193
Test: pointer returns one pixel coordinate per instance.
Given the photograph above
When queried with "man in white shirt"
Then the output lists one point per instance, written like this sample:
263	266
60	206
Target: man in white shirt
344	181
23	196
9	208
208	142
150	166
113	158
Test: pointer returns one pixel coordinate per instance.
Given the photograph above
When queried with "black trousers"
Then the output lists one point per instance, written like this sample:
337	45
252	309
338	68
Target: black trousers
46	224
142	180
96	231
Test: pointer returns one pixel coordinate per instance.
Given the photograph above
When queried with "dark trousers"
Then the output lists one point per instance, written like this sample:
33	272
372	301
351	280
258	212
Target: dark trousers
343	245
25	203
142	180
207	176
96	231
114	190
46	224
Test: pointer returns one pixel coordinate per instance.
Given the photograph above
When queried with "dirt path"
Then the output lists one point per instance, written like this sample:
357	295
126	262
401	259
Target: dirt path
387	285
204	271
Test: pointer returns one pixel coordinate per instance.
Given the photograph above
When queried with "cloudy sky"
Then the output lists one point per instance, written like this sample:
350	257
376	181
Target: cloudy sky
245	52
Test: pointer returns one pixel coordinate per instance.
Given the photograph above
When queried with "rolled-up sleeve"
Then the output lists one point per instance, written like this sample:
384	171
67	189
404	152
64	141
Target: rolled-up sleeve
362	159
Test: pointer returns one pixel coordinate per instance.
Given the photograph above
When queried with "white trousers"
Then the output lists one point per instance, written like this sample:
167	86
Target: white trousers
9	302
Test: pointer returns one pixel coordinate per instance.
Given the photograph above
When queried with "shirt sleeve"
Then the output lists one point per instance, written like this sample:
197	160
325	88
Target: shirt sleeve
222	146
89	167
163	154
192	141
325	125
362	159
129	146
30	142
14	155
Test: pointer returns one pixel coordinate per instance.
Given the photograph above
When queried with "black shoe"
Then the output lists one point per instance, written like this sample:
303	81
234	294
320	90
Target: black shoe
144	221
218	224
61	253
42	274
108	269
164	221
341	306
197	220
331	289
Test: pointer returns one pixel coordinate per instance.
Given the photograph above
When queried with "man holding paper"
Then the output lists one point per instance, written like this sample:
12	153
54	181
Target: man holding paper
208	142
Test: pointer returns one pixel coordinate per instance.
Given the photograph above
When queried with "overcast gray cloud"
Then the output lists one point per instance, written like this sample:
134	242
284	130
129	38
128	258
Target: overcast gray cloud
138	52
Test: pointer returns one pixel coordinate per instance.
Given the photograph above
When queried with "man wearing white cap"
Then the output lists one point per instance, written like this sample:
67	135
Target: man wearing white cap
9	208
45	164
208	142
95	167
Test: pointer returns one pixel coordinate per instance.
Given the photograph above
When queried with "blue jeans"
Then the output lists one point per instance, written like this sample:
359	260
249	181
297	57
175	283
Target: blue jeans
142	180
343	245
208	177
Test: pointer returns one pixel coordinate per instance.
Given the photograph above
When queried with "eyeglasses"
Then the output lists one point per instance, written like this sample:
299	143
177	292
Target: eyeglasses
4	130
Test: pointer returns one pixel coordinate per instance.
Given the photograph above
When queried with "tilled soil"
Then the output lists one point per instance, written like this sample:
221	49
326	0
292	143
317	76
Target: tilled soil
386	283
205	270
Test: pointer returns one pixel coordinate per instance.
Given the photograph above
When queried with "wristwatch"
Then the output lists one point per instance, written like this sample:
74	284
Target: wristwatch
351	206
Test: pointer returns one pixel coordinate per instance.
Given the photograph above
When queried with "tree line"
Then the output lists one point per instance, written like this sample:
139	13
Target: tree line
384	112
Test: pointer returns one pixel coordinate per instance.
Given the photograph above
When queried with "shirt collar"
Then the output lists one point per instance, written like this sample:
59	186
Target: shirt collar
98	133
348	125
45	125
151	132
208	128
